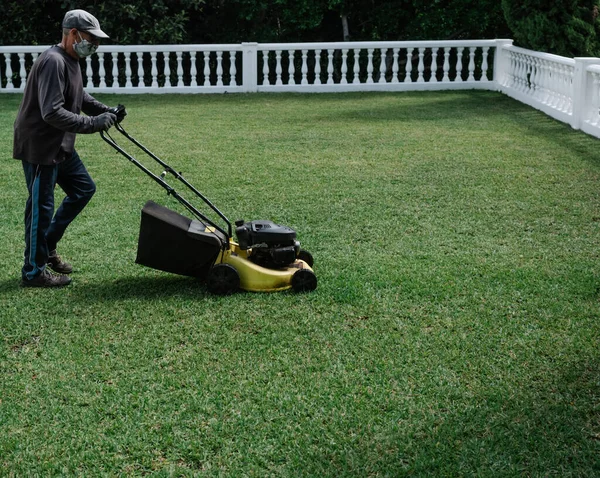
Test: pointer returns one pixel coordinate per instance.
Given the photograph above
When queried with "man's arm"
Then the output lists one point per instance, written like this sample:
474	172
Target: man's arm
51	84
91	106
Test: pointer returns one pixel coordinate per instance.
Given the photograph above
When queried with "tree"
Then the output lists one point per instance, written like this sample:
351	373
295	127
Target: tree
36	22
563	27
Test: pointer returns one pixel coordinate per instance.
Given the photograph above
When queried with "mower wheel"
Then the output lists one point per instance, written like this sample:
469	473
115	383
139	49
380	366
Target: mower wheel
306	256
223	279
304	281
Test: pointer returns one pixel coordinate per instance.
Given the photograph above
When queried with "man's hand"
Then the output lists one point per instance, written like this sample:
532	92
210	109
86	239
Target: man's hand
120	111
104	121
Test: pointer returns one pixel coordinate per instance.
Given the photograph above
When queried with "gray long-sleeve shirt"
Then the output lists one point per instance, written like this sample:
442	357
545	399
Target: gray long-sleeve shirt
50	113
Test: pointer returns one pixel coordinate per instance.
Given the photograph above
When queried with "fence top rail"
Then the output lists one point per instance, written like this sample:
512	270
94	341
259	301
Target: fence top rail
375	44
593	68
543	56
131	48
266	46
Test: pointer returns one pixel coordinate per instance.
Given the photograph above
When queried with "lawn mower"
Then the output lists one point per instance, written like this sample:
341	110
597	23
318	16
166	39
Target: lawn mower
266	257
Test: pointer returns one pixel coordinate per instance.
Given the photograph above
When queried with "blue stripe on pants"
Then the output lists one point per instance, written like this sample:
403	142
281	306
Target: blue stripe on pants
41	180
33	230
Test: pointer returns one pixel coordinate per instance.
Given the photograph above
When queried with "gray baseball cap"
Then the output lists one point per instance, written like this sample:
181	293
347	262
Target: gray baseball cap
83	21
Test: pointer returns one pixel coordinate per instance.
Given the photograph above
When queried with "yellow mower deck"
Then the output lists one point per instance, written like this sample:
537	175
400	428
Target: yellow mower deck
255	278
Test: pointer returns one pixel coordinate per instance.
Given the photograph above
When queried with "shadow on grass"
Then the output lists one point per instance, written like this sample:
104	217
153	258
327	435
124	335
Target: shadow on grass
10	285
124	288
411	107
140	288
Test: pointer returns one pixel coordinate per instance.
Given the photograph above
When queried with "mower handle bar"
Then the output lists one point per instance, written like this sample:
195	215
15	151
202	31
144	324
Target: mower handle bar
170	190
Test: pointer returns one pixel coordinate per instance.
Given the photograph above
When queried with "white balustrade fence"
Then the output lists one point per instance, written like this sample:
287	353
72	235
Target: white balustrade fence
252	67
567	89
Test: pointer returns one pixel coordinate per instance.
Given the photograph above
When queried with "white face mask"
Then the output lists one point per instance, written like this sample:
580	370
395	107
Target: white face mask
84	48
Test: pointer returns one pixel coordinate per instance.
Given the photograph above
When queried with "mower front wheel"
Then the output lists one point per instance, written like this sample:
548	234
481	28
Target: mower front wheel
223	279
304	281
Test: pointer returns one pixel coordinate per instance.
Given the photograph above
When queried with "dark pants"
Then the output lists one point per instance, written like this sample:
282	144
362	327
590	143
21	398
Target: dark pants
43	228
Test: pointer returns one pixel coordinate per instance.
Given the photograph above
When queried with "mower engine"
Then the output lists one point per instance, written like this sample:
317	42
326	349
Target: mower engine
271	245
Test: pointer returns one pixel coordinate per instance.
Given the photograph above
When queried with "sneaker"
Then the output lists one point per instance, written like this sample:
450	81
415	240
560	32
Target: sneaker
56	263
46	279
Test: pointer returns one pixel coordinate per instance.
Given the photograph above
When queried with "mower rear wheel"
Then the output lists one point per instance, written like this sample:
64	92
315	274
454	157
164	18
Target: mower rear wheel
223	279
304	281
306	256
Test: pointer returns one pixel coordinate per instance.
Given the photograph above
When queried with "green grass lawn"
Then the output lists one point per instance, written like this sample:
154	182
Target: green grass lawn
455	330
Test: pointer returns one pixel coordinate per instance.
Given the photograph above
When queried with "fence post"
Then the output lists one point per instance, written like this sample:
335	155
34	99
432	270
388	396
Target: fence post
250	67
500	63
581	90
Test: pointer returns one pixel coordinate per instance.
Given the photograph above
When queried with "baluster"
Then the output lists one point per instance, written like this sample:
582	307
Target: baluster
9	72
446	77
135	70
101	70
434	66
370	65
549	83
193	70
534	78
232	68
538	77
546	82
22	73
219	68
167	70
570	74
566	88
179	57
382	65
543	81
330	67
518	72
154	70
529	72
206	81
291	67
524	73
552	84
558	78
594	116
515	70
88	73
507	78
409	65
278	69
484	64
459	57
266	68
115	69
471	76
396	52
356	66
304	69
344	71
558	87
317	67
421	66
128	83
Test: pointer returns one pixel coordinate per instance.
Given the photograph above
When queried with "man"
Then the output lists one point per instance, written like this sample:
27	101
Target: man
44	140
